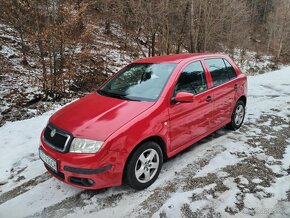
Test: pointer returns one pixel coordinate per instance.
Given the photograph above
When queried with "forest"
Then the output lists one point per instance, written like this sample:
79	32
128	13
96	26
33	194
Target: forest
64	48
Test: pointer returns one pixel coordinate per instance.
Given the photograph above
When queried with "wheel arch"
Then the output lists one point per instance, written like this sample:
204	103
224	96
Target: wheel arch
243	99
156	139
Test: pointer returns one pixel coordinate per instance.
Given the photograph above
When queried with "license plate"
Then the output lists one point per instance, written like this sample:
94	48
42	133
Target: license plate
49	161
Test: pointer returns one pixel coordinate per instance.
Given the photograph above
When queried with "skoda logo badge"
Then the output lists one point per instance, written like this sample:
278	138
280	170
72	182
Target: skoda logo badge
52	133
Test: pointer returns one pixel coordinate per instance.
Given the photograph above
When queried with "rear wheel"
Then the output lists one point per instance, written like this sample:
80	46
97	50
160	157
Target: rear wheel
238	116
144	165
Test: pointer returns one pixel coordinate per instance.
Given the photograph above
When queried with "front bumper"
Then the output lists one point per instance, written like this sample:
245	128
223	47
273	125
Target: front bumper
88	171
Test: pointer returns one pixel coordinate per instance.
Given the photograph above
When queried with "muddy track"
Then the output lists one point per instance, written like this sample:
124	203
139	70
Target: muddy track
161	194
249	167
24	187
66	206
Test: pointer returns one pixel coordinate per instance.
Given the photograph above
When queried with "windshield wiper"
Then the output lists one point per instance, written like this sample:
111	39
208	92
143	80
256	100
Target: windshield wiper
115	95
130	99
110	94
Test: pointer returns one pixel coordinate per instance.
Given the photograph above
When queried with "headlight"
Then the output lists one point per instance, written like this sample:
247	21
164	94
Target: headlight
85	146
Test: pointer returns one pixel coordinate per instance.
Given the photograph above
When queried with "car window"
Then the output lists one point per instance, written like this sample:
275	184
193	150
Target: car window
231	71
218	71
192	79
139	81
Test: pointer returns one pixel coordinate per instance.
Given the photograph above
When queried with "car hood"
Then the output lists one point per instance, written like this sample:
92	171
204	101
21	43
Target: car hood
97	117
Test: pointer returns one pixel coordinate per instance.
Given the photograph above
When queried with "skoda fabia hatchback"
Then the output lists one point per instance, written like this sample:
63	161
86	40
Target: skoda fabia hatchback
150	110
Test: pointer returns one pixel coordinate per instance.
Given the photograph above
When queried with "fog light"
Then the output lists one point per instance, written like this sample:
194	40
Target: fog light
90	181
82	181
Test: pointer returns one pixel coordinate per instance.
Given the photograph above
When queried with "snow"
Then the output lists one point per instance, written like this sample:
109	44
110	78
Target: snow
7	51
225	193
286	157
49	192
257	180
218	162
243	180
251	62
178	199
20	141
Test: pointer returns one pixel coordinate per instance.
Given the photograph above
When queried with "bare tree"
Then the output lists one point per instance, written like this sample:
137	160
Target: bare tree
279	26
15	13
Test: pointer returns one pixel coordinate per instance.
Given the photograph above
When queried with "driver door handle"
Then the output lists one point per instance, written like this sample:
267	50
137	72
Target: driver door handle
236	86
208	98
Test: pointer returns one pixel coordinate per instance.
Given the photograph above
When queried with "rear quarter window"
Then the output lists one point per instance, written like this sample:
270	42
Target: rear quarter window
231	70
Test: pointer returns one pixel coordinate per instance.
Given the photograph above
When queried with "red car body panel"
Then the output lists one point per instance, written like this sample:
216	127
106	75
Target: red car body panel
97	117
123	125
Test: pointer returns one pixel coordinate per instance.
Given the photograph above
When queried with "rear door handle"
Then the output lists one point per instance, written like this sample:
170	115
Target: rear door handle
208	99
236	86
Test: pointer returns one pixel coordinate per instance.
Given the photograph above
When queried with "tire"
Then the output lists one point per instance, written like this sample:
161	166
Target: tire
144	165
238	116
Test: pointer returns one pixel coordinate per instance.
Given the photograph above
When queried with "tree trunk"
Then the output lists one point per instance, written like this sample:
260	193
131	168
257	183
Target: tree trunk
282	34
44	73
181	34
23	49
200	30
191	28
153	38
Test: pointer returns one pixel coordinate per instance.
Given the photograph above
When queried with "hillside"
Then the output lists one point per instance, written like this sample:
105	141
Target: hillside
21	90
54	51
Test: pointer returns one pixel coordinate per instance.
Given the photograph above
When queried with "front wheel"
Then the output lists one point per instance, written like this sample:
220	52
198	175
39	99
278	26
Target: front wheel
238	116
144	165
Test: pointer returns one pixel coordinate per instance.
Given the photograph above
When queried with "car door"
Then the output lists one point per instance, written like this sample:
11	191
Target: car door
223	90
190	120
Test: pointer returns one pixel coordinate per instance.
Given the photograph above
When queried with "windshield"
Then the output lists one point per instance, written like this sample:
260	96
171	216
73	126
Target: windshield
138	82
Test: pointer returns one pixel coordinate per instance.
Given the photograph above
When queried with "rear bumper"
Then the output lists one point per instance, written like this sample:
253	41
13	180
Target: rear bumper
87	171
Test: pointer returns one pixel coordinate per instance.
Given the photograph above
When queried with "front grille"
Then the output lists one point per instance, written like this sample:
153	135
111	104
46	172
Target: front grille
56	138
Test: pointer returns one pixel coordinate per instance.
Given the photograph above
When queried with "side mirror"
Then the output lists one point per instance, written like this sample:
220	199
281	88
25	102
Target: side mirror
184	97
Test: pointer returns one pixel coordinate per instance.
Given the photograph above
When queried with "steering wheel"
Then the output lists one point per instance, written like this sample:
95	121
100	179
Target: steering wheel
194	90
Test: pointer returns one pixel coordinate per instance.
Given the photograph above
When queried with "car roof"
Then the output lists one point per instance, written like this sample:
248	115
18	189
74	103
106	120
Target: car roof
176	58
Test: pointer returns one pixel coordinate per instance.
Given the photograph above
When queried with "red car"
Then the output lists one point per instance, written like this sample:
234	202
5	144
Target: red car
150	110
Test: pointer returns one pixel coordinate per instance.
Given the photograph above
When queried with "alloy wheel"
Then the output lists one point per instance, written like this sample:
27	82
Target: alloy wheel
239	115
147	165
